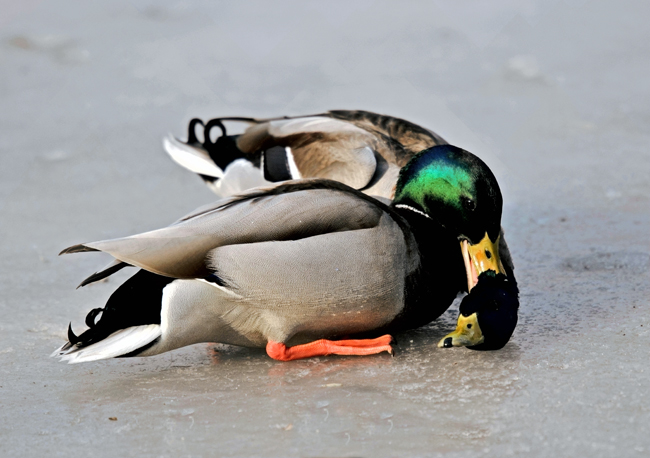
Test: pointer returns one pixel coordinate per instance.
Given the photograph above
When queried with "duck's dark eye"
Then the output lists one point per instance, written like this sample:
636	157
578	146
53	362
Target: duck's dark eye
469	326
468	204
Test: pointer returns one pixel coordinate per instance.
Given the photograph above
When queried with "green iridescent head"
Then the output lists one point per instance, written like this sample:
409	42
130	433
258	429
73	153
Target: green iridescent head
455	188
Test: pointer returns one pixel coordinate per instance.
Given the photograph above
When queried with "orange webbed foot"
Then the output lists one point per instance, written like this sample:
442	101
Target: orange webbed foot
323	347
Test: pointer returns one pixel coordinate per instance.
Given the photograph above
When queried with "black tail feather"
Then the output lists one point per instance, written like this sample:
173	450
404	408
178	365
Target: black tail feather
208	127
103	274
92	315
191	131
138	301
72	338
224	149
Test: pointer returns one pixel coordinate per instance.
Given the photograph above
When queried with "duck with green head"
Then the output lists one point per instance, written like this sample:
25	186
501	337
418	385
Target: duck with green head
295	267
460	196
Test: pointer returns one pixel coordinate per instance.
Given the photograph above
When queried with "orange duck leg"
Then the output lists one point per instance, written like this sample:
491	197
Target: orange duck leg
323	347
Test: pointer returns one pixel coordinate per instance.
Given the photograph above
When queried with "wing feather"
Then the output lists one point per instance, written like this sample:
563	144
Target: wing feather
321	147
291	211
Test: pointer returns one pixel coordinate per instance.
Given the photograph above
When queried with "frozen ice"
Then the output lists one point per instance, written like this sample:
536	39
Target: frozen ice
553	95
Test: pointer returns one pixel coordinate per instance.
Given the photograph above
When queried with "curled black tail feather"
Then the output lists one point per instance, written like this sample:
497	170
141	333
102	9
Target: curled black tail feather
208	127
90	318
138	301
224	149
191	131
72	338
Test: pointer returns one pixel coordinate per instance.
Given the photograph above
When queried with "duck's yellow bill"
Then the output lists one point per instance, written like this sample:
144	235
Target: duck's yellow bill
479	258
467	333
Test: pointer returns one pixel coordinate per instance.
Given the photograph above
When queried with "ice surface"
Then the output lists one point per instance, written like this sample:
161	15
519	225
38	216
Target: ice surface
553	95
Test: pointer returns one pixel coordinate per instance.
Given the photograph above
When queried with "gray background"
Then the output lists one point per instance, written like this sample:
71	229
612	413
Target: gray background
553	95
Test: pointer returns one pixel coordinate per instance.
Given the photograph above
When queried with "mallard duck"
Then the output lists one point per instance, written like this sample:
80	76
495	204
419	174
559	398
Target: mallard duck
361	149
291	267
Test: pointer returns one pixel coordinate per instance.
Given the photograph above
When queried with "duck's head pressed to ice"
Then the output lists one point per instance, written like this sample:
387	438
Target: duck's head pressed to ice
487	316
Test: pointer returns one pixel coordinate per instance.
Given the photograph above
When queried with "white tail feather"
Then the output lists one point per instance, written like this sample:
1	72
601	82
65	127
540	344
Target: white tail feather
239	176
117	344
194	159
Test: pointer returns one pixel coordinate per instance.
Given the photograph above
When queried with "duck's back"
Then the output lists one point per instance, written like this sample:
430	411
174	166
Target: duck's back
406	138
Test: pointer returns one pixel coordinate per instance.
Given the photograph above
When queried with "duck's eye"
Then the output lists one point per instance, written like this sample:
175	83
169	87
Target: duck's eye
469	326
468	204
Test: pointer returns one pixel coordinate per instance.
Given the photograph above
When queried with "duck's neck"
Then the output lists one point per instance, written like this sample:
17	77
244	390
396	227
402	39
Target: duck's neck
432	288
